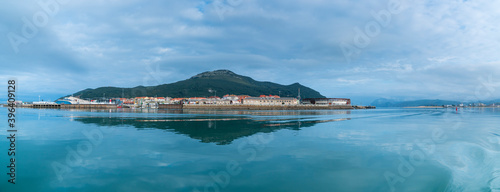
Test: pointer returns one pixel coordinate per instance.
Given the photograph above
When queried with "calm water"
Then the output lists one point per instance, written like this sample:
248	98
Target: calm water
361	150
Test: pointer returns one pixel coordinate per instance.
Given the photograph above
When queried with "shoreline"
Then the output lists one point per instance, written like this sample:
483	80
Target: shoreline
266	107
204	107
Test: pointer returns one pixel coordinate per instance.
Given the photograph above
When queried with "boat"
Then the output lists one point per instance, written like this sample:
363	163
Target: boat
72	101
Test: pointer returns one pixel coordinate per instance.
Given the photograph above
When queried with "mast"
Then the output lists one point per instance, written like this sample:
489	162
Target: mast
299	95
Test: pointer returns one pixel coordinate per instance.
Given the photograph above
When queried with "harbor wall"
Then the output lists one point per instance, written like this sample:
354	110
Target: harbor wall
89	106
170	106
267	107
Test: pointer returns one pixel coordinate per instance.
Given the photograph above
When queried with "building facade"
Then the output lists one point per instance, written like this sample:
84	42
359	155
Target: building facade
270	101
326	101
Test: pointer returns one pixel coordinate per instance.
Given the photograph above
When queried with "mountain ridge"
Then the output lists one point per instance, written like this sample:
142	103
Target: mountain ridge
205	84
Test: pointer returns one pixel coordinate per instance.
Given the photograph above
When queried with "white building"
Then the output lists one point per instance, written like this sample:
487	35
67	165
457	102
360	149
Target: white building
270	101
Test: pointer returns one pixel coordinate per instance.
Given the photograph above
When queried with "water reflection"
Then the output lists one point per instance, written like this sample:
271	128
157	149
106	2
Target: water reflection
210	129
221	112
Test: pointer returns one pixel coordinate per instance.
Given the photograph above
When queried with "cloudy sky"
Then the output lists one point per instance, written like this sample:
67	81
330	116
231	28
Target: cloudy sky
360	49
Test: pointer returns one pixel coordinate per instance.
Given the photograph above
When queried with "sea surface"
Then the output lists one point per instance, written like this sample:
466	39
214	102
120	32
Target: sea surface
392	149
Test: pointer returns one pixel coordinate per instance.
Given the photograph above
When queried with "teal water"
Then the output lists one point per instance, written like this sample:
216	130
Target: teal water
359	150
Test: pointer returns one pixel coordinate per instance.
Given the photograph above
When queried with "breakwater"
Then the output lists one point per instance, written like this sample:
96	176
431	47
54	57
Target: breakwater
170	106
267	107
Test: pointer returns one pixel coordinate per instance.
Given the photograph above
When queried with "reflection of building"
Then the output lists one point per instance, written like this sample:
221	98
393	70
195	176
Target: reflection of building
270	101
326	101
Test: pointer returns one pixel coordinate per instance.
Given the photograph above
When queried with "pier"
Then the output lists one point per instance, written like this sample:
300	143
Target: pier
89	106
42	106
72	106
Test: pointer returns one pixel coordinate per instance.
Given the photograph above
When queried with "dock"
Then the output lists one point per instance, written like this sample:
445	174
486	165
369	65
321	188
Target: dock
72	106
170	106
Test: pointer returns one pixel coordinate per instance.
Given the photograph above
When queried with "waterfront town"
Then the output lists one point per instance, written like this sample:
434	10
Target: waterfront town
229	101
226	100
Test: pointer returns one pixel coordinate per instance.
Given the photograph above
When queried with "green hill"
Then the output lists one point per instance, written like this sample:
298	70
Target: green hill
220	82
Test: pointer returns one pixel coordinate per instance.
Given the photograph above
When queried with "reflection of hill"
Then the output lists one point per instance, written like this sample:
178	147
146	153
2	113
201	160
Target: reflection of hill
219	130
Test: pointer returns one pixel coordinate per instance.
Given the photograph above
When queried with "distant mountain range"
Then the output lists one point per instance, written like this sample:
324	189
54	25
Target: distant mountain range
426	102
219	82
